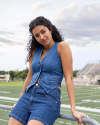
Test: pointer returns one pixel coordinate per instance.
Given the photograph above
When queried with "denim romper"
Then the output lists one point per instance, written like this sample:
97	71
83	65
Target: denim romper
41	101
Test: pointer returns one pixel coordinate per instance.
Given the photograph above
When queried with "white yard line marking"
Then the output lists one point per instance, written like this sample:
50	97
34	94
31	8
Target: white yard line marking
83	112
81	94
77	87
88	90
4	120
60	121
87	100
5	110
4	92
97	107
86	93
80	102
63	92
8	101
91	114
82	108
68	123
9	98
81	97
65	110
64	95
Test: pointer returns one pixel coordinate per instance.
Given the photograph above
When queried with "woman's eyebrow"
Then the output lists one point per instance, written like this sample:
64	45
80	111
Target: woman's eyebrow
40	31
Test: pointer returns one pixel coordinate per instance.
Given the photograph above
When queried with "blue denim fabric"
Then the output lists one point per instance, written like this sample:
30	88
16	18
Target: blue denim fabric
41	101
37	104
49	70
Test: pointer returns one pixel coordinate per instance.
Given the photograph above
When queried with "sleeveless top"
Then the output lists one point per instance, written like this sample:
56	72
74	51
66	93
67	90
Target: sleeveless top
49	70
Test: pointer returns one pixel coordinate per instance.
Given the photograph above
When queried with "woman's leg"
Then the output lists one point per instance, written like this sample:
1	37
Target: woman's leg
34	122
13	121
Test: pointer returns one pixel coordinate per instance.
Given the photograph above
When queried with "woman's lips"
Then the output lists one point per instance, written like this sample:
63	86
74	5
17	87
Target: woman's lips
44	41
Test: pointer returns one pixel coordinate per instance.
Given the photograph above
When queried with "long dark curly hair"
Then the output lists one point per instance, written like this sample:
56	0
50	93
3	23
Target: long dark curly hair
33	43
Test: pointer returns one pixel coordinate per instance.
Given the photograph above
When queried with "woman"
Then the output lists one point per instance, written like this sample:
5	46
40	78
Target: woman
49	59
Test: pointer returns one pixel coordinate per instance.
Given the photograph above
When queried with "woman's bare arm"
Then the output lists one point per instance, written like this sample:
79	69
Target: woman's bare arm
29	76
66	59
67	65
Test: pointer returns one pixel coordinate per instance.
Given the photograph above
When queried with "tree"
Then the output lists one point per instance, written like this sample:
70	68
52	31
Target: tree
75	72
3	72
23	75
12	74
26	70
16	74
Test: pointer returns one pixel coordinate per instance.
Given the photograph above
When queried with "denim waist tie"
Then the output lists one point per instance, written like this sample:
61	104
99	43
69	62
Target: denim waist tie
49	70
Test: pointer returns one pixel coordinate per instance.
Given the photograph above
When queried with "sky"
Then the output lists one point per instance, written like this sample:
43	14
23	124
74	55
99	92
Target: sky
78	21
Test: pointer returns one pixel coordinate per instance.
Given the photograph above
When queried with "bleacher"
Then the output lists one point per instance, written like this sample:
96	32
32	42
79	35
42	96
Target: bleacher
85	69
89	75
90	69
95	70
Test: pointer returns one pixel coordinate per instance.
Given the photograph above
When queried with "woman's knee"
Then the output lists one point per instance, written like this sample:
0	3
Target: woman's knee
13	121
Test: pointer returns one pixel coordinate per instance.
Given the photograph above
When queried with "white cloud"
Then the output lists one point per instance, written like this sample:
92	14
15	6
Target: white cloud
90	14
39	6
8	42
13	58
80	25
25	25
6	33
67	13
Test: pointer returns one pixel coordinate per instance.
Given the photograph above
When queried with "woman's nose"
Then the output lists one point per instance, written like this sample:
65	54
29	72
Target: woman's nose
41	36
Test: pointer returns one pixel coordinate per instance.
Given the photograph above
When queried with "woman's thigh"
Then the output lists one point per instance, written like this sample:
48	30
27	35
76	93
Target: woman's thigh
45	107
13	121
21	110
34	122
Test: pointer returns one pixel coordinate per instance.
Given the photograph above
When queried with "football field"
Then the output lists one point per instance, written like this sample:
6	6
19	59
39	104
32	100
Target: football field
87	101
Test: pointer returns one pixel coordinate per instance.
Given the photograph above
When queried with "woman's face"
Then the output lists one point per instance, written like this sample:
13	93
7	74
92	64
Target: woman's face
42	34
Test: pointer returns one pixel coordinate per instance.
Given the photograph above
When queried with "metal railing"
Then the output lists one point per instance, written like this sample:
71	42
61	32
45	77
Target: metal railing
63	116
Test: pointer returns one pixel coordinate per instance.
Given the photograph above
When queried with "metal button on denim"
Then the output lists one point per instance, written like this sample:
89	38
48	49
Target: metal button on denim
40	82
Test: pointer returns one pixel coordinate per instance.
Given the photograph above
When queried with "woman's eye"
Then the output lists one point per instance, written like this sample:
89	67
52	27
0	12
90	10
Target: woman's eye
37	36
43	32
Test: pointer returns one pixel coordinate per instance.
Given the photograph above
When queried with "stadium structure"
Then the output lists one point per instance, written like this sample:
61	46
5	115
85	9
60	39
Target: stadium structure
4	78
89	75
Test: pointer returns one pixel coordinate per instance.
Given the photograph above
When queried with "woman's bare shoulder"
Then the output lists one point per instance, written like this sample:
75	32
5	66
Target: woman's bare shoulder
62	45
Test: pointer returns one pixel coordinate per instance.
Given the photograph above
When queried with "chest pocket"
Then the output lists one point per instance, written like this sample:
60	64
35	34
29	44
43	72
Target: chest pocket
53	79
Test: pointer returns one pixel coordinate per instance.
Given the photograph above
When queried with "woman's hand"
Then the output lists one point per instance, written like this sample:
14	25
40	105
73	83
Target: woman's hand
13	107
78	115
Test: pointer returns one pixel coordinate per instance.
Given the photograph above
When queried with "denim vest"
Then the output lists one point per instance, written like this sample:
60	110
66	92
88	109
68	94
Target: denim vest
49	70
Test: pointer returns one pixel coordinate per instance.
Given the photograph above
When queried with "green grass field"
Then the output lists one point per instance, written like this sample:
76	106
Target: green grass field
87	101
